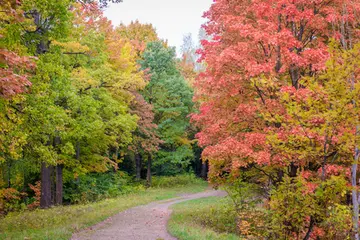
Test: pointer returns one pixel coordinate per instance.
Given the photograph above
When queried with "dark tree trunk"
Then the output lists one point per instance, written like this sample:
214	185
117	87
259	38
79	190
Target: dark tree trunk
280	176
117	153
53	185
293	170
138	166
278	49
44	44
148	174
59	185
295	76
204	170
45	199
311	227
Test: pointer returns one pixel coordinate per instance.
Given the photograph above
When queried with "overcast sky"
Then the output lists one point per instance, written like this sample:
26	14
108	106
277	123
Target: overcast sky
171	18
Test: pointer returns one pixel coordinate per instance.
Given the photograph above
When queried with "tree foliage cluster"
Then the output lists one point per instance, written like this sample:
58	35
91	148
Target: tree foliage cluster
279	108
80	97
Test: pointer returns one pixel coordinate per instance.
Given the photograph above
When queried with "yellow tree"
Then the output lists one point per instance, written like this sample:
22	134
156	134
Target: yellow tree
139	34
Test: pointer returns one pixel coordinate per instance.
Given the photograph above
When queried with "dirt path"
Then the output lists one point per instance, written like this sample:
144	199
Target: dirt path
147	222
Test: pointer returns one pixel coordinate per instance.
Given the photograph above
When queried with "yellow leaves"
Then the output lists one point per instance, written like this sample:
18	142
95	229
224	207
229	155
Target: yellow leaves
122	55
112	164
321	113
184	141
72	46
140	34
82	79
12	139
122	61
244	227
15	144
251	222
10	29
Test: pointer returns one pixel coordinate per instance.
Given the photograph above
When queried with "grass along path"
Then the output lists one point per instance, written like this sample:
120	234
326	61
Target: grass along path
146	222
203	219
61	222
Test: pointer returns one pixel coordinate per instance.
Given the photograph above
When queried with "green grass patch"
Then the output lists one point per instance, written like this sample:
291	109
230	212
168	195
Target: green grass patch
61	222
203	219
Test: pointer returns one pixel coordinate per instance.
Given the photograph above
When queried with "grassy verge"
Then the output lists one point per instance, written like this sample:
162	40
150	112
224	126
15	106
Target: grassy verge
61	222
203	219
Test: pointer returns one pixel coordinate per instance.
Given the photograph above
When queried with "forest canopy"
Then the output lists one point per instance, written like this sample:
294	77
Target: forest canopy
82	99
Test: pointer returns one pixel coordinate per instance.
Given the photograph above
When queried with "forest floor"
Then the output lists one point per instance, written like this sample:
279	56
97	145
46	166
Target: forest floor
146	222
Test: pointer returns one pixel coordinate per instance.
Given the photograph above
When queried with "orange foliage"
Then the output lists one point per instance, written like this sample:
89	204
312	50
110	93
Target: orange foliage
37	190
10	200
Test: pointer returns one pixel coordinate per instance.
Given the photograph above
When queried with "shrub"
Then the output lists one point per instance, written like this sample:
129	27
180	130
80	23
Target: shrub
97	186
220	217
293	208
37	190
246	198
213	213
11	200
178	180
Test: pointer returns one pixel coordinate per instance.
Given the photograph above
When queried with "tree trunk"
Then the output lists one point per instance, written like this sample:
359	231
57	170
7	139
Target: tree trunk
278	49
45	199
355	200
295	76
53	185
59	185
148	174
138	166
293	170
204	170
311	228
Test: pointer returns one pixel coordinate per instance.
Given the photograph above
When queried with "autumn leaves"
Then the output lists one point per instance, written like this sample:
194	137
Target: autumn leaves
279	99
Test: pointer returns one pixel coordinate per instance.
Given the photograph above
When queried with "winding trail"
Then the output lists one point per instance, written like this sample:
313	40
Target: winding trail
146	222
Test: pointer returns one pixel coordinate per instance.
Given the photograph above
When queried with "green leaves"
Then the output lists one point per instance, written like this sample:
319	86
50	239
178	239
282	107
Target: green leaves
171	97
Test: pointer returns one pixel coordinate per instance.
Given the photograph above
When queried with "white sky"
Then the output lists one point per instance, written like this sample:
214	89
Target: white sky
171	18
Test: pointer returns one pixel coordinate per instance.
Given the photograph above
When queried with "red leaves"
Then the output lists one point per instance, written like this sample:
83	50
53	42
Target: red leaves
14	73
273	44
37	191
145	138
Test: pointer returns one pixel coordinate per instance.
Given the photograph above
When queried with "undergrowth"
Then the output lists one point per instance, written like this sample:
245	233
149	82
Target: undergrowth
204	219
178	180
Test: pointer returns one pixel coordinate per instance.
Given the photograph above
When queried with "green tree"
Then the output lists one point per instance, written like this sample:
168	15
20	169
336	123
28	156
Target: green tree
171	97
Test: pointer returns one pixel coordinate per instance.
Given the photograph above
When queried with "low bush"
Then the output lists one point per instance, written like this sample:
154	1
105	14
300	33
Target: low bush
218	215
11	200
178	180
89	188
97	186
